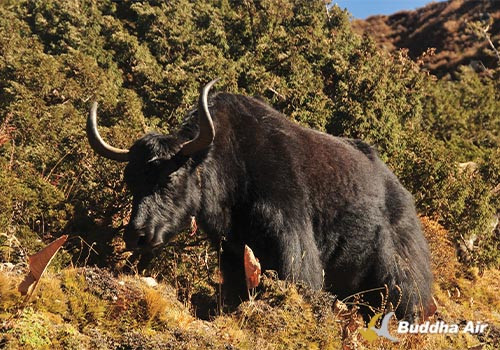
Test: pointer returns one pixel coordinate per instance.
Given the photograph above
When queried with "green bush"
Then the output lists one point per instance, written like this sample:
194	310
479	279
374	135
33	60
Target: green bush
144	62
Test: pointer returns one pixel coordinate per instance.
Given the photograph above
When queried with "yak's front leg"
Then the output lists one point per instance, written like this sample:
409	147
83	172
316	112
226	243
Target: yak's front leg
234	289
299	259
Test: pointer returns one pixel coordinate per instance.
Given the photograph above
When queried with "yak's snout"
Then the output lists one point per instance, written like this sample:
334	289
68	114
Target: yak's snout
142	238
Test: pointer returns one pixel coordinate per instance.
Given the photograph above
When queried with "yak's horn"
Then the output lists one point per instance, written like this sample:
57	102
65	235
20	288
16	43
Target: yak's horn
206	132
98	144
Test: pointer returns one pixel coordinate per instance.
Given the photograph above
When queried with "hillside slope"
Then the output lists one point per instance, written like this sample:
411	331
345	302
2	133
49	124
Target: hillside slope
90	308
443	26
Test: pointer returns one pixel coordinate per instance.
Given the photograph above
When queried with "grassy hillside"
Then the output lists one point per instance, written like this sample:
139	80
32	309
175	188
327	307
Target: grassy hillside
144	63
90	308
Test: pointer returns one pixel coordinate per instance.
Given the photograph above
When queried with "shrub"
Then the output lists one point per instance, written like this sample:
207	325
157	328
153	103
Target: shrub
144	63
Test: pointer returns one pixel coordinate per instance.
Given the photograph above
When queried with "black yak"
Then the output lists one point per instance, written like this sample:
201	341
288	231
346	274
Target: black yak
316	208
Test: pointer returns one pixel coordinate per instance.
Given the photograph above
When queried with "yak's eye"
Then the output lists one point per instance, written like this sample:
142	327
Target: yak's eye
151	167
151	170
157	172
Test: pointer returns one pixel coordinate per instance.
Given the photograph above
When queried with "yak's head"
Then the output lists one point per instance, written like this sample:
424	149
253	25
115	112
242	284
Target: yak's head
162	176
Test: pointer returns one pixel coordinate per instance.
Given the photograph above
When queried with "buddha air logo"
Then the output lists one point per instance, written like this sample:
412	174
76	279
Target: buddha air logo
370	333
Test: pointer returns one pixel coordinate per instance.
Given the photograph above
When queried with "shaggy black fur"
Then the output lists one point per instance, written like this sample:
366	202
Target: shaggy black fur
316	208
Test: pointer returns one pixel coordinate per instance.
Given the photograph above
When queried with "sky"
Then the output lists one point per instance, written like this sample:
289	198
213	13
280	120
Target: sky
366	8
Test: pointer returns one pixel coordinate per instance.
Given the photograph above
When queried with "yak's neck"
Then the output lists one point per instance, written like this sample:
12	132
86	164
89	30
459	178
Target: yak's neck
220	179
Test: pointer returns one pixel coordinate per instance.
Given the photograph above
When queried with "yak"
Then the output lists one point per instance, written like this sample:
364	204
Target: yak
315	208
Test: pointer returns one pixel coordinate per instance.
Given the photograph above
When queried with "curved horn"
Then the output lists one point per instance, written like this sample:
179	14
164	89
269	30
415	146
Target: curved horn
206	132
98	144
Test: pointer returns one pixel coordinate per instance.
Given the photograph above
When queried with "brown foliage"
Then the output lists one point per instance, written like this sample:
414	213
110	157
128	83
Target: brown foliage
38	264
6	130
252	268
443	253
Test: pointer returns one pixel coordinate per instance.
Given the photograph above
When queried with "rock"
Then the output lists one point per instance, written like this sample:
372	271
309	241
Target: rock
149	281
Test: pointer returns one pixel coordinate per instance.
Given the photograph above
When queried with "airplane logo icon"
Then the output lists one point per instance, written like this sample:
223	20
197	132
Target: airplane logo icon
371	333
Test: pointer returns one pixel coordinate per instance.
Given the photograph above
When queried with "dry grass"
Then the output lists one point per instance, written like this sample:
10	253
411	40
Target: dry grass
92	308
443	258
8	294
